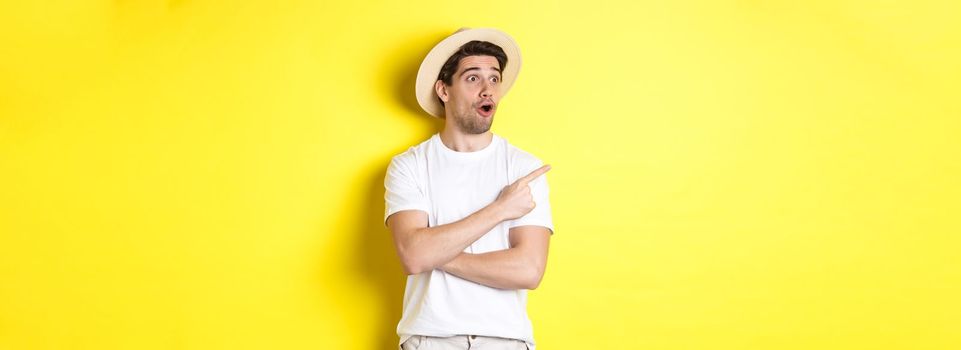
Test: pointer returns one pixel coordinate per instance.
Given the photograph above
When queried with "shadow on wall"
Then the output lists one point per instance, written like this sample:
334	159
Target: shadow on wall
375	257
401	69
377	261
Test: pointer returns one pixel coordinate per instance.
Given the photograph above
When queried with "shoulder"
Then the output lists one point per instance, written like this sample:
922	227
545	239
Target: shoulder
412	156
521	157
523	162
410	160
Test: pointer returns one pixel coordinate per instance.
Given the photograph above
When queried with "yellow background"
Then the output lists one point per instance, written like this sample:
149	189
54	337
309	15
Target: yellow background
726	175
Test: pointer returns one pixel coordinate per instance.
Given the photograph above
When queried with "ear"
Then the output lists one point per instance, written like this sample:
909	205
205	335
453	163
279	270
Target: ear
441	89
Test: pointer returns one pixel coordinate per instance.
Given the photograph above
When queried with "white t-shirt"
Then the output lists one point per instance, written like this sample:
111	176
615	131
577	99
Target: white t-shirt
448	186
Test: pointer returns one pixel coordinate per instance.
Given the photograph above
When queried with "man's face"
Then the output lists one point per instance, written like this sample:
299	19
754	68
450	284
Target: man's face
471	100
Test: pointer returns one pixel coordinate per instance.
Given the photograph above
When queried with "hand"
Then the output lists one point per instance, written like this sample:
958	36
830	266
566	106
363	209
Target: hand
516	200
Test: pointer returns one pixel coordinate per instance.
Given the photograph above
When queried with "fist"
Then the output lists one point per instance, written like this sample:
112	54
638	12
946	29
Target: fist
516	200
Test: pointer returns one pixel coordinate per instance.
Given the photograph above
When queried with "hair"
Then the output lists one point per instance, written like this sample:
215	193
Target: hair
472	48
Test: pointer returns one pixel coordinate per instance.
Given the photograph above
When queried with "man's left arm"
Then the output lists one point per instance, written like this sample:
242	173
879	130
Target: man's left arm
519	267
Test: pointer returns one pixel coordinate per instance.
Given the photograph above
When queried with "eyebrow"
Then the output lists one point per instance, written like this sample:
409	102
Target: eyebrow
476	68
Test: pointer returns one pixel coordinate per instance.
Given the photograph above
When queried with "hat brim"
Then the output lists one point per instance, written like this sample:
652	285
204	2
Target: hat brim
430	67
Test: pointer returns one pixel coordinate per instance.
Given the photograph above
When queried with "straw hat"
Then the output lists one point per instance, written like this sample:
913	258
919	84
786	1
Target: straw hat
430	67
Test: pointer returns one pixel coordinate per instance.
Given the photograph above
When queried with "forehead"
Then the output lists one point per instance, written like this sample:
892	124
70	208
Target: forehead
482	62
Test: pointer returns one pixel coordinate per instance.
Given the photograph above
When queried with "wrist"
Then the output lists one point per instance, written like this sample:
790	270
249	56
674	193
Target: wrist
451	266
495	212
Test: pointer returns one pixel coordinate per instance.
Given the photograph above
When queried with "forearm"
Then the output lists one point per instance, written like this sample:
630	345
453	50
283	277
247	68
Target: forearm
503	269
424	248
432	247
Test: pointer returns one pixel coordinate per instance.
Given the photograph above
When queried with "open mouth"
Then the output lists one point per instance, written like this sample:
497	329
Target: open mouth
486	109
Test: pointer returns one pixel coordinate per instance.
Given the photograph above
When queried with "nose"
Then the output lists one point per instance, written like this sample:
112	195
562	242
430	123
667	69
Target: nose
488	90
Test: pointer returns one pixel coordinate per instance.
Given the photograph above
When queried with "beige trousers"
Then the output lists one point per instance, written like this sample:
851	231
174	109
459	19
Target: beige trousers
462	342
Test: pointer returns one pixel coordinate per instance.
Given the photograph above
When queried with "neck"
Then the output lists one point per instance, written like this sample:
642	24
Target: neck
461	142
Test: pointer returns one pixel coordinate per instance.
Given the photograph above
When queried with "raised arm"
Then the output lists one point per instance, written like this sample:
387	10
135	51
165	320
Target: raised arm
422	248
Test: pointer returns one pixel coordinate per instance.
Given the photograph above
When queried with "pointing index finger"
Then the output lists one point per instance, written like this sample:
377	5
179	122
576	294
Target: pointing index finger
534	174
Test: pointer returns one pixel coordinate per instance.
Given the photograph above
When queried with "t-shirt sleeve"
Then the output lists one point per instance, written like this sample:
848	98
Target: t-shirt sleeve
541	215
402	190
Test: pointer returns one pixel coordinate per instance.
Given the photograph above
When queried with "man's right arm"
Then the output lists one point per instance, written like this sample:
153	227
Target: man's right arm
422	248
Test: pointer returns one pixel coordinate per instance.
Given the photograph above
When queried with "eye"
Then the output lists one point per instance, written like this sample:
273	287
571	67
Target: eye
472	78
495	79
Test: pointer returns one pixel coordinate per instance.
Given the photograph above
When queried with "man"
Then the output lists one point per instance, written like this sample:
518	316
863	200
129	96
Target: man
468	211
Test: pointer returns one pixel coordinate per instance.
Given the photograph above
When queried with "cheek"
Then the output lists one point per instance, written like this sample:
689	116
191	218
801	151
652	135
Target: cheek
462	97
